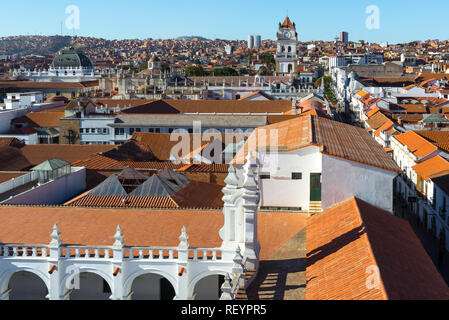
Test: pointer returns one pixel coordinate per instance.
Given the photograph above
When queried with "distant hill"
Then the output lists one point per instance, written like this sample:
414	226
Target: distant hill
190	38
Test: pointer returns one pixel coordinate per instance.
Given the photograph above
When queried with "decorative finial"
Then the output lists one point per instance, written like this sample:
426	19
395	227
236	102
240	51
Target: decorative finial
55	236
238	259
231	179
183	244
119	238
226	288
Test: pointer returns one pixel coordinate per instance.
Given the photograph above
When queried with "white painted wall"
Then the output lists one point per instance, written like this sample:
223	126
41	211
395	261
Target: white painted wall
280	190
54	192
343	179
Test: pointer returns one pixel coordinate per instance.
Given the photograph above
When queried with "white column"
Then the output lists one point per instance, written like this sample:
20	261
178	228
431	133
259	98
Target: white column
117	262
251	197
182	290
56	288
228	232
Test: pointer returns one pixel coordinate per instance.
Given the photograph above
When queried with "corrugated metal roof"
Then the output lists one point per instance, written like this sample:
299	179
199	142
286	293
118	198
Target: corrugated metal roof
111	186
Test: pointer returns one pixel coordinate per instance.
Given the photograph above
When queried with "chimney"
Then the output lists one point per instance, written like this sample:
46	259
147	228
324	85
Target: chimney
294	108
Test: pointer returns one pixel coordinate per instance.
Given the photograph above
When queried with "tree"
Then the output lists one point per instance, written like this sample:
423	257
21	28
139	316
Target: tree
143	66
327	82
194	71
263	71
225	71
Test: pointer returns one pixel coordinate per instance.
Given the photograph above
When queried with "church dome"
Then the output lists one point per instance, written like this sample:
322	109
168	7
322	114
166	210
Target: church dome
71	59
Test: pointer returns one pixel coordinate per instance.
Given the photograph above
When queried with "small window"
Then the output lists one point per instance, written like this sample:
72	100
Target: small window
87	130
105	131
81	130
296	176
265	176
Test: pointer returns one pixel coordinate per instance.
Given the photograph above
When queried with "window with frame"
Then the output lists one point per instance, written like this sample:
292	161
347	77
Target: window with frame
297	176
119	131
265	176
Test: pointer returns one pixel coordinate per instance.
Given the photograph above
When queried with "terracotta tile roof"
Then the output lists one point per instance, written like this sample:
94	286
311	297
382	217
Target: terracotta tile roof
255	94
287	23
10	142
162	146
431	167
344	242
377	120
416	144
6	176
37	154
413	108
408	117
435	136
372	112
96	227
12	159
335	139
216	168
211	106
102	162
278	118
41	119
191	196
94	201
362	93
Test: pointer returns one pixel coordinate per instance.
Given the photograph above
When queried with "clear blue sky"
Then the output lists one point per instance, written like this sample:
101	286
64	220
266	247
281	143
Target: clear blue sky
400	20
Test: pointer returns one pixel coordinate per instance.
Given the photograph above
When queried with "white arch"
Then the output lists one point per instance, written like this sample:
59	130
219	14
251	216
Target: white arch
130	280
99	273
202	275
7	275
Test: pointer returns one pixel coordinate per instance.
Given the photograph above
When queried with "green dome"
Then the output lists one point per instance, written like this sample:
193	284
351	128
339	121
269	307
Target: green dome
71	59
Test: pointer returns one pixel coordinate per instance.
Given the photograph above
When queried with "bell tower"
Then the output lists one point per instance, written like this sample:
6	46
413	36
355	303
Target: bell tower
286	54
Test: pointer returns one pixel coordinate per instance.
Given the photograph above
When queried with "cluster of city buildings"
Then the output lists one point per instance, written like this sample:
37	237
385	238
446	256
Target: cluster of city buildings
159	185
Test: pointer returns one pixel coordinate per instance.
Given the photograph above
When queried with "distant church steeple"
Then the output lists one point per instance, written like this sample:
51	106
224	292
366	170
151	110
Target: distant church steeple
286	54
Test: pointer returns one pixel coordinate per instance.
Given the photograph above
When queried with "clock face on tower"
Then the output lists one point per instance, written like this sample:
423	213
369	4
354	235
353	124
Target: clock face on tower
286	34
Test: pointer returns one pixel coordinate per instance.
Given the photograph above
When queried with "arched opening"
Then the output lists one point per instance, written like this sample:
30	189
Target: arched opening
209	288
290	68
289	49
91	287
24	285
152	287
